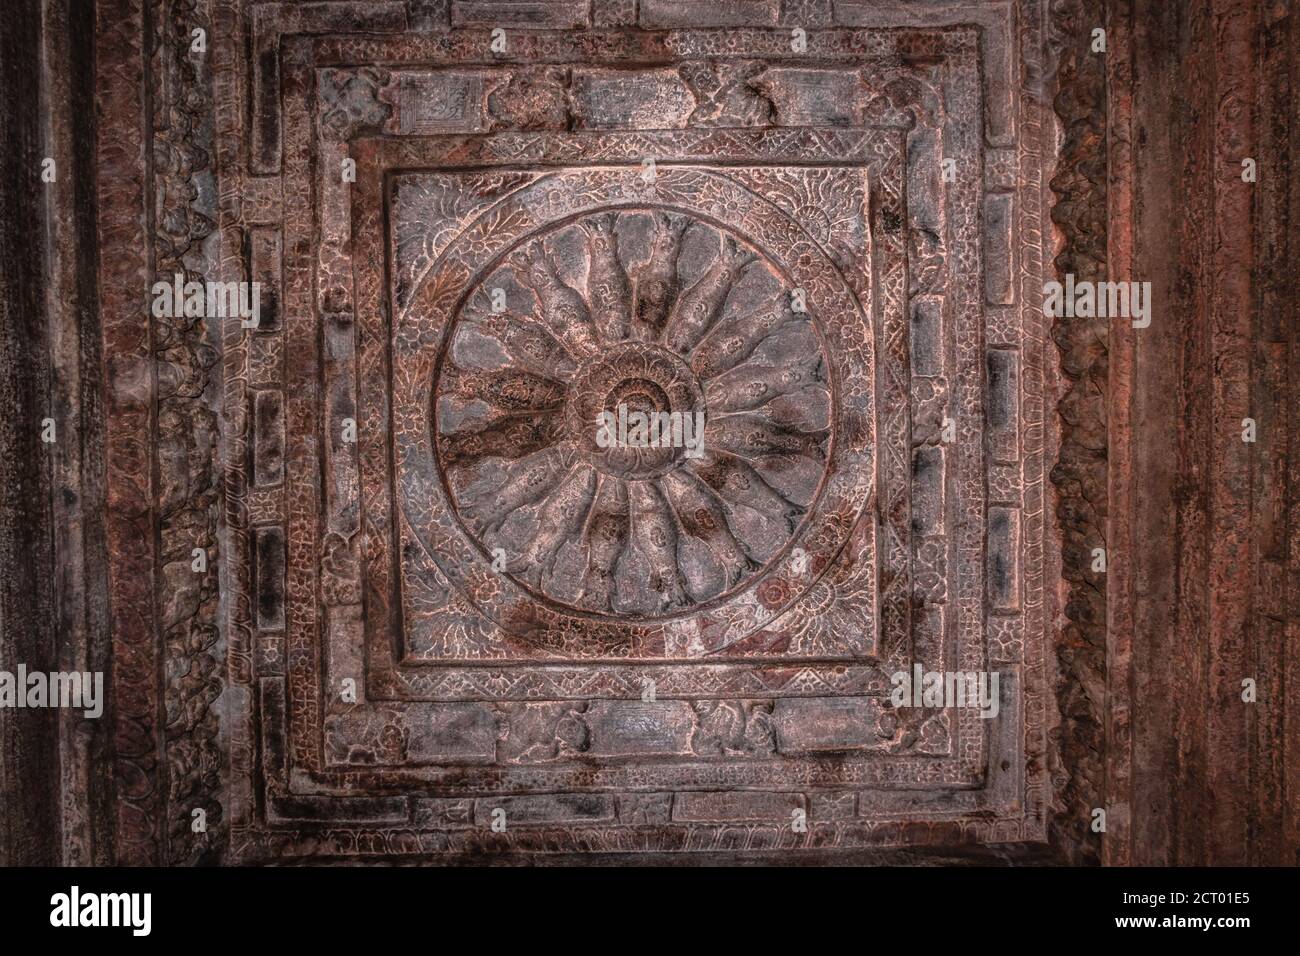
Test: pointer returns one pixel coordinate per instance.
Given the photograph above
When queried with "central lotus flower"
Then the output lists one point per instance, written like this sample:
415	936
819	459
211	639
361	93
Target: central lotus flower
641	316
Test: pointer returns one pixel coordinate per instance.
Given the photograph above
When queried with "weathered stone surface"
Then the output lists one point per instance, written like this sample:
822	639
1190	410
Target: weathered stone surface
614	99
268	437
354	810
546	808
1003	558
687	13
520	13
632	728
645	809
832	806
443	102
637	729
737	805
432	601
429	733
441	814
804	97
999	246
814	724
268	558
1191	511
1004	404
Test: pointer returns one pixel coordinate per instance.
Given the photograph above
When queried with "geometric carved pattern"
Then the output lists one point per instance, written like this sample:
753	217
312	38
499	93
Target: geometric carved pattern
826	434
758	479
634	530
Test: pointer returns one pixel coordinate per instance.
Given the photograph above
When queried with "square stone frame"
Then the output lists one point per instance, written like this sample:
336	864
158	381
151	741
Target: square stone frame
285	795
606	168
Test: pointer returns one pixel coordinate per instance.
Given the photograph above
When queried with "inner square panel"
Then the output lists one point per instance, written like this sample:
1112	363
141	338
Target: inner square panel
711	330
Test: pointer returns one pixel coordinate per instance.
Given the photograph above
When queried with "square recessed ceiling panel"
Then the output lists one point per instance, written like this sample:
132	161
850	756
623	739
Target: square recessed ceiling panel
459	601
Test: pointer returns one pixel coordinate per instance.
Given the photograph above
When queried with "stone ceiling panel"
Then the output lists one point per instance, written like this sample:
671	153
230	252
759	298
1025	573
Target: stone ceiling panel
462	606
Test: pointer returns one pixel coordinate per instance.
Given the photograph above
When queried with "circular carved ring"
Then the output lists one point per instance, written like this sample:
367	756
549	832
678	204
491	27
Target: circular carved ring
631	418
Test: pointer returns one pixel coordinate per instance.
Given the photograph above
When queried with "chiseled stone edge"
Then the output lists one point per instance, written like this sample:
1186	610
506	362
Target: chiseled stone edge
1080	472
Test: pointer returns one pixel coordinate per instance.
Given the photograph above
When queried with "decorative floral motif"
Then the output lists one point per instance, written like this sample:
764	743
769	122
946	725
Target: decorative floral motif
633	313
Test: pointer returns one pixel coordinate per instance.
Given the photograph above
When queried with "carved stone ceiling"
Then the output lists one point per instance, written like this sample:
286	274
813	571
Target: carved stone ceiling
452	601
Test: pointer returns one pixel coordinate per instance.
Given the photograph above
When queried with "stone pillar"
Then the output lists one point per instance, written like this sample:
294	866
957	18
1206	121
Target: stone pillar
53	615
29	826
1203	591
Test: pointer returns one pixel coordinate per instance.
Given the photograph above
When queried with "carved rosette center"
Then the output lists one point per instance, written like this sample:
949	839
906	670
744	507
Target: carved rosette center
634	382
641	316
